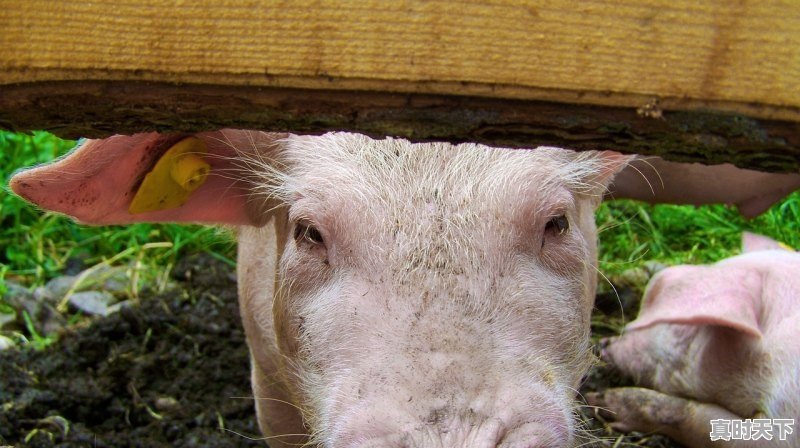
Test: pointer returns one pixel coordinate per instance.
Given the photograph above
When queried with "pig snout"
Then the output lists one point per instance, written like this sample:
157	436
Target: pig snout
433	412
469	434
430	378
467	430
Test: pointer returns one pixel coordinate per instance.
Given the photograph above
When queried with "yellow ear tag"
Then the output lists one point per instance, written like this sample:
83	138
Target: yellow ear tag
179	172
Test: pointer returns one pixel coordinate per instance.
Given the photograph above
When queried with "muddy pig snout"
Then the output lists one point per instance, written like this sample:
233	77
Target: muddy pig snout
468	425
452	397
489	434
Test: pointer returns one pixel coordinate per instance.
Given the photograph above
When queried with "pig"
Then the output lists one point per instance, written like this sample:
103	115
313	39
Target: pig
713	342
659	181
392	294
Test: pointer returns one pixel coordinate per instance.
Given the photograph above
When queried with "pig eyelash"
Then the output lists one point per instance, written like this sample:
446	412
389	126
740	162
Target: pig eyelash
304	231
557	225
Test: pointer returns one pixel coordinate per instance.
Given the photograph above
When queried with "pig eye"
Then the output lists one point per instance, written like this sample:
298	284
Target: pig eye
307	232
557	225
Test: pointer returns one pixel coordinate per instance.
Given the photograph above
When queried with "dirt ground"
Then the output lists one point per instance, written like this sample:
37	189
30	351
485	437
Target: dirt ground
171	372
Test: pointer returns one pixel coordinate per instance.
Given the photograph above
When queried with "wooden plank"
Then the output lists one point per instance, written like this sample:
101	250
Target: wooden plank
741	56
101	108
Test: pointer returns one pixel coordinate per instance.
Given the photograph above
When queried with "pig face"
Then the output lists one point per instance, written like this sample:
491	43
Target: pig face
429	289
393	294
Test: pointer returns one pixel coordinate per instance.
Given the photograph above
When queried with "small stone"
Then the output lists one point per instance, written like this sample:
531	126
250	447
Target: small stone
92	302
14	288
119	306
117	281
654	267
42	294
20	299
5	342
111	279
167	404
51	320
7	319
59	286
636	278
39	306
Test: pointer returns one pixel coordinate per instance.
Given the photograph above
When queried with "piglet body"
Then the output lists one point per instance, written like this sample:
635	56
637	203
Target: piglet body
725	338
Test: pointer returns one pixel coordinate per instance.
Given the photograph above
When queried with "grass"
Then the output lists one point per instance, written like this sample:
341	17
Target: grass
632	233
36	246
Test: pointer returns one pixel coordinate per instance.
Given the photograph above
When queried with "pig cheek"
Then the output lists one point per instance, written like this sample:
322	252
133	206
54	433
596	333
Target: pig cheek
565	257
548	314
302	274
304	271
572	259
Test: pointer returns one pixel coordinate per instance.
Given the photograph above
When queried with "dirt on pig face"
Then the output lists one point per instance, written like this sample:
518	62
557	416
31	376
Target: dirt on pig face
169	373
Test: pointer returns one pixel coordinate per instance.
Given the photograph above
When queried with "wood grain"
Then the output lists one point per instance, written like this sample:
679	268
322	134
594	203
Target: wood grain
740	55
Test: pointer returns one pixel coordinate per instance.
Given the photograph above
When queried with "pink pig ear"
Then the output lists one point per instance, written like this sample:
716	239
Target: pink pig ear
97	182
703	295
595	171
612	163
752	242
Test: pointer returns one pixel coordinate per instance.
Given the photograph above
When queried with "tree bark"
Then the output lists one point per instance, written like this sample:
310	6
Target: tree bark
94	109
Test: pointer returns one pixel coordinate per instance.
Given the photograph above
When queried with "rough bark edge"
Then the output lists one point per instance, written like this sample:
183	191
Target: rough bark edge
74	109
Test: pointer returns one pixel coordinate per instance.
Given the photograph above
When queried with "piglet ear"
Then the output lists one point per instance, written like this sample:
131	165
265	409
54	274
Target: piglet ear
725	296
611	163
752	242
594	171
149	177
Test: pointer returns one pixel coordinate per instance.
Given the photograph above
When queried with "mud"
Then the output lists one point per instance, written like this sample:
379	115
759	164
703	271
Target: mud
170	372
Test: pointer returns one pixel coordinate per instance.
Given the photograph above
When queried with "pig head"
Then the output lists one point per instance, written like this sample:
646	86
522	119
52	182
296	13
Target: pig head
713	342
393	294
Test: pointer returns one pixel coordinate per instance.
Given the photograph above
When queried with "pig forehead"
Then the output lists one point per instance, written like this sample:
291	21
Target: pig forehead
347	170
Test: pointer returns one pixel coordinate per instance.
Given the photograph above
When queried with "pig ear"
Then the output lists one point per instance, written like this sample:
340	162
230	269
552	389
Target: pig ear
703	295
610	164
752	242
594	172
149	177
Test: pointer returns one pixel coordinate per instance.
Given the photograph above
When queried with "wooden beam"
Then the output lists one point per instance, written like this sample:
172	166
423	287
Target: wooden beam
741	56
101	108
707	81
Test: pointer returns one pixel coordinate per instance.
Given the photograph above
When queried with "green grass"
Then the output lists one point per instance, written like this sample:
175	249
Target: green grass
36	246
632	233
